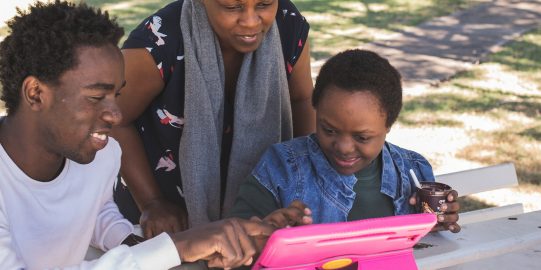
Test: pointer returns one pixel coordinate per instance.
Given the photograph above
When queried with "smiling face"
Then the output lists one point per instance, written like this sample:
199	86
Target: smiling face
241	24
81	109
350	127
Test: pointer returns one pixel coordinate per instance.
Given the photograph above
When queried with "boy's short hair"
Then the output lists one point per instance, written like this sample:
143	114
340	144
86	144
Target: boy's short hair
361	70
43	43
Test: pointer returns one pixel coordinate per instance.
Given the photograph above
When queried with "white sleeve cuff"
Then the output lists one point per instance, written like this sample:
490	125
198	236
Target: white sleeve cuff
117	233
157	253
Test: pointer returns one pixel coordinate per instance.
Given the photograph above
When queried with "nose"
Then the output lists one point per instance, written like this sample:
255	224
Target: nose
344	146
249	18
112	114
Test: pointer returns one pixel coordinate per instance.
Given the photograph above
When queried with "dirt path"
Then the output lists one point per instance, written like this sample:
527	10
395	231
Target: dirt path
436	50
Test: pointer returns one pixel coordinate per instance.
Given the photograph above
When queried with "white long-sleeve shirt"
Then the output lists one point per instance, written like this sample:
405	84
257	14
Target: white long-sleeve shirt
49	225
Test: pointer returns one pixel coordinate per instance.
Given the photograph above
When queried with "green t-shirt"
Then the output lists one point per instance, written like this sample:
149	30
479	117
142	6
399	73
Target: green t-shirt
369	201
255	200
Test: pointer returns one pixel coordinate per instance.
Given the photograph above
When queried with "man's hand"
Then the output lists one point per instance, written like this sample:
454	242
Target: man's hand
295	214
161	216
225	244
447	220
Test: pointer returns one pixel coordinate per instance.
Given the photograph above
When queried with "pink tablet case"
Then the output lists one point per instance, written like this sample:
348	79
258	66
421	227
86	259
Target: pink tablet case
378	243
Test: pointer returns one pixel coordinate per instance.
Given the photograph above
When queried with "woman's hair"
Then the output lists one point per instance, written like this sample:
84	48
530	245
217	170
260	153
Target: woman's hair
43	42
358	71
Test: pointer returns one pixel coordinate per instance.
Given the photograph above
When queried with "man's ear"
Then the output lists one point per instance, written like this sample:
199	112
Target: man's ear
32	93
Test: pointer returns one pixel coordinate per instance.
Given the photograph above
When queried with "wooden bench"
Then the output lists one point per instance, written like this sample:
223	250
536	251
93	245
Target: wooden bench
483	179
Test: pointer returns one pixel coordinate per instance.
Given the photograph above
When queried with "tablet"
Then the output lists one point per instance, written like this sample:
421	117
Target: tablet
347	245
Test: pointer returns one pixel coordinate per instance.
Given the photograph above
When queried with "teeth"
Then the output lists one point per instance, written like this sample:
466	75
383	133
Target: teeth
98	136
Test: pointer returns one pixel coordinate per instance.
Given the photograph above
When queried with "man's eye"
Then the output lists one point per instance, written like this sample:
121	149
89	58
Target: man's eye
96	98
263	5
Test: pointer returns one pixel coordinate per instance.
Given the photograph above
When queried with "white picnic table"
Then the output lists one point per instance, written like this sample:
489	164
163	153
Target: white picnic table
480	240
492	238
476	242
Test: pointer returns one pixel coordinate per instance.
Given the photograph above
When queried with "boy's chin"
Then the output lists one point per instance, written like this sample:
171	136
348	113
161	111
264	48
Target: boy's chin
346	171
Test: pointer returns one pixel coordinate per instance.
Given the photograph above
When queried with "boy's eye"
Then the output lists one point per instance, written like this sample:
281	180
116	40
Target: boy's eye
234	7
360	138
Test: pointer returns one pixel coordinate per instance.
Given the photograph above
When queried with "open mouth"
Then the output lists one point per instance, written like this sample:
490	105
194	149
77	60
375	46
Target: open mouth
348	162
99	140
248	38
99	136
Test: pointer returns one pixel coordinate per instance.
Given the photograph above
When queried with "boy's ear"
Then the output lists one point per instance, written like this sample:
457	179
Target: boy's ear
33	93
388	130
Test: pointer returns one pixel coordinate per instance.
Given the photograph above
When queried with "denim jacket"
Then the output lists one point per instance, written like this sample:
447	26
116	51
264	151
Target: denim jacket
298	170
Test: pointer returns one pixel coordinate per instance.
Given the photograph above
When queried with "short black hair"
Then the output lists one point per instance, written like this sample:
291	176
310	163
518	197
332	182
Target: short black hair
362	70
43	42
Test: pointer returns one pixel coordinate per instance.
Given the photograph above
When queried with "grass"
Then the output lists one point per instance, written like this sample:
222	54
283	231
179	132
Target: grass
336	25
130	12
504	91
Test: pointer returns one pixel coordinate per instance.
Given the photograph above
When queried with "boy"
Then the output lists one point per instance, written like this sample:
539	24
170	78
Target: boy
346	170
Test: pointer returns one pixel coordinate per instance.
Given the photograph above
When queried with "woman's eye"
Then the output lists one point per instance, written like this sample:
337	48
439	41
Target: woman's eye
328	130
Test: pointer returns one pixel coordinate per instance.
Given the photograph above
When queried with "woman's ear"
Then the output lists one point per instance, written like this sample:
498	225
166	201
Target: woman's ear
32	93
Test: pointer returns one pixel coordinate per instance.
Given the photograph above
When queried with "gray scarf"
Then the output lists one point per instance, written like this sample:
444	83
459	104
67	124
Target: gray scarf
262	113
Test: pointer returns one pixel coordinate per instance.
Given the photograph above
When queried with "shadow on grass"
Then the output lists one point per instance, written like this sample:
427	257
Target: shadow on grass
508	146
393	16
400	14
338	25
534	133
483	102
521	55
468	203
129	13
432	120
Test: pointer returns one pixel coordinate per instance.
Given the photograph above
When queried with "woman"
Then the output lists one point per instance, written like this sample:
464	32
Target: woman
210	84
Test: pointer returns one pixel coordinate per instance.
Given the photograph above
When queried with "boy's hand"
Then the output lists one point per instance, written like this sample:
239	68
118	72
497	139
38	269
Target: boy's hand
227	243
294	215
447	220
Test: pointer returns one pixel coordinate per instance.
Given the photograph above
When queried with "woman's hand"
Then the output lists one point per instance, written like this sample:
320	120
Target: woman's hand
297	213
161	216
448	219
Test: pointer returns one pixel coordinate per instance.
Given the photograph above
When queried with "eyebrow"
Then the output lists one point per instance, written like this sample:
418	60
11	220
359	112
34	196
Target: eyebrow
365	131
104	86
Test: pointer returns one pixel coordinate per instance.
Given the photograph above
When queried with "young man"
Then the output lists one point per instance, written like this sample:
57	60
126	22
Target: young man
61	71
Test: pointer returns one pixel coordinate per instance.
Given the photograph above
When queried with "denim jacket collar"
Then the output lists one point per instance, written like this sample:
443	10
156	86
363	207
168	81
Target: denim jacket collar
389	173
328	178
